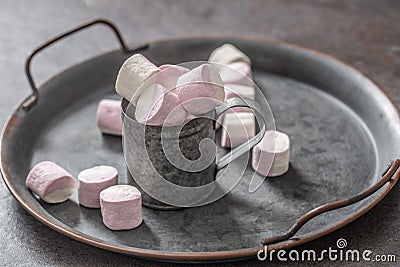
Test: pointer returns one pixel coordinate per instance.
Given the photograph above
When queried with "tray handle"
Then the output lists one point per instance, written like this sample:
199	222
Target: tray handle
32	99
391	174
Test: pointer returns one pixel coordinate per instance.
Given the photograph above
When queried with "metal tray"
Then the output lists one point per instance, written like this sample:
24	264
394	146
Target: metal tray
344	132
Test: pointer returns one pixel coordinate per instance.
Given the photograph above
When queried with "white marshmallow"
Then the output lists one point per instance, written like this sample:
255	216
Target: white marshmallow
274	145
135	75
237	128
227	54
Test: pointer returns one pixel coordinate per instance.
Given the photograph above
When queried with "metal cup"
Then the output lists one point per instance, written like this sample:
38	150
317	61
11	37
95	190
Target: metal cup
158	157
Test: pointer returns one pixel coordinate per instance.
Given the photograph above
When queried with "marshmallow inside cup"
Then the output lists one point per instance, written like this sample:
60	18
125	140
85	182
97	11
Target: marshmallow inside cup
50	182
156	103
136	74
169	75
201	89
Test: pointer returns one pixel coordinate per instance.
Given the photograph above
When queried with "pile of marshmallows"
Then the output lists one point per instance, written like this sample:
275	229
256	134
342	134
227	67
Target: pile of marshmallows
167	95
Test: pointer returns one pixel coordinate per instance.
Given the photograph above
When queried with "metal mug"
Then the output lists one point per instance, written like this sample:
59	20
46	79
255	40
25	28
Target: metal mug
149	162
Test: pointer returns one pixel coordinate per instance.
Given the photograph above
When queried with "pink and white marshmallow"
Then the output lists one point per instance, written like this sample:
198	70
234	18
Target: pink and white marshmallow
236	73
50	182
158	106
169	74
94	180
227	54
236	90
201	89
108	117
136	74
238	127
121	207
275	147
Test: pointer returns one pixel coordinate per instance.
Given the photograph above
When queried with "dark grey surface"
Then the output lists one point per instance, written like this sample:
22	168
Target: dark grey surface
364	34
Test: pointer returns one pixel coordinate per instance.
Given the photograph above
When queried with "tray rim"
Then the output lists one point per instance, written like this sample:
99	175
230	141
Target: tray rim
238	254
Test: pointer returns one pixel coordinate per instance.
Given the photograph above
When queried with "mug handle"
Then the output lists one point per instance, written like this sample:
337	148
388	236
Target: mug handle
243	148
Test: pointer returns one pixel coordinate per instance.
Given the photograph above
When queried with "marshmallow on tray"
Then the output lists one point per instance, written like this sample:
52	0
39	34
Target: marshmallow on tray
156	104
92	181
274	145
227	54
169	74
201	89
136	75
121	207
238	127
50	182
108	117
236	90
237	73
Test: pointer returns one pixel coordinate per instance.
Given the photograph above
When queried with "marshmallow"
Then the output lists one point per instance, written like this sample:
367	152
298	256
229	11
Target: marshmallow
156	104
92	181
236	73
201	89
50	182
169	74
236	90
237	128
137	73
121	207
274	145
227	54
108	117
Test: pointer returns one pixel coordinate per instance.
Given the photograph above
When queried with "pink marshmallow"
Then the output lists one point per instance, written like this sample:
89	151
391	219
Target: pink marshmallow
237	73
92	181
201	89
156	104
108	117
121	207
50	182
169	74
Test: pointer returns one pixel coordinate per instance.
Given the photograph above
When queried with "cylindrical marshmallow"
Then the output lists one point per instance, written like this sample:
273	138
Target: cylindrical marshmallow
238	127
158	106
236	73
108	117
94	180
121	207
50	182
201	89
137	73
169	74
274	145
227	54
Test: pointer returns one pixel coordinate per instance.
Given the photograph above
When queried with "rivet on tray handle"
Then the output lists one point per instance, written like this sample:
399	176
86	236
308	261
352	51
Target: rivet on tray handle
31	100
392	173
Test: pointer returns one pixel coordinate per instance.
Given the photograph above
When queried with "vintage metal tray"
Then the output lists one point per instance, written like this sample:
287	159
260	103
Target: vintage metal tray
344	133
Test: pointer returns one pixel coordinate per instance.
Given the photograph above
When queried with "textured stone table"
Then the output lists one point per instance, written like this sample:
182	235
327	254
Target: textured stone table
364	33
